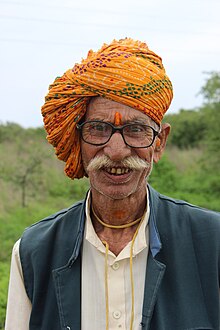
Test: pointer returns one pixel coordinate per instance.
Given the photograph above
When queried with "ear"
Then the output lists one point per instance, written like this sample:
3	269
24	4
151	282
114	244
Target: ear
160	143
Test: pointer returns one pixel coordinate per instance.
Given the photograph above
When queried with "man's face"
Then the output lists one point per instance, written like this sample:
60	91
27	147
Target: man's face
116	181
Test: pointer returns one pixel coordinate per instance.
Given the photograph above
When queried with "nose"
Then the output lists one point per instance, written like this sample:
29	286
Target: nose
116	149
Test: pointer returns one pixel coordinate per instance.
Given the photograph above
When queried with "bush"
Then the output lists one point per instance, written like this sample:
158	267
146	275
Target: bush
164	177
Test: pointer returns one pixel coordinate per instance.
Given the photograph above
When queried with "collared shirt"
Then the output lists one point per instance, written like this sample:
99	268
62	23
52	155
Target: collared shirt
19	305
119	281
93	289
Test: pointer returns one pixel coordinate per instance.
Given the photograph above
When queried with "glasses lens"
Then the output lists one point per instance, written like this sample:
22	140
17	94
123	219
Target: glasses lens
96	132
137	135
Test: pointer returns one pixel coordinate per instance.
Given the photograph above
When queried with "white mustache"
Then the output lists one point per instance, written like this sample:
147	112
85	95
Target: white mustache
132	163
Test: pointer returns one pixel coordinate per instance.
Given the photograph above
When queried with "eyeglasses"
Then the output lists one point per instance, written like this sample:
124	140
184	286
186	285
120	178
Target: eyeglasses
98	132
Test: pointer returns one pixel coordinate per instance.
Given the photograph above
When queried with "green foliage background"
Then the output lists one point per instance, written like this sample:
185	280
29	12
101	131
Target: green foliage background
33	184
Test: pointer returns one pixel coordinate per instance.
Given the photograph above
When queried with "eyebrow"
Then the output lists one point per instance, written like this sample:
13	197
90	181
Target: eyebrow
129	121
136	121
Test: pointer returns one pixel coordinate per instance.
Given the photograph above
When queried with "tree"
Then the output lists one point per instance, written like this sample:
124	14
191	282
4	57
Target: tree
20	163
211	88
9	131
164	176
25	178
211	113
187	128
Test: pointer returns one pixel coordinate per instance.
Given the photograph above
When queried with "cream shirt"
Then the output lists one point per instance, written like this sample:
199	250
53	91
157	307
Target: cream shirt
93	287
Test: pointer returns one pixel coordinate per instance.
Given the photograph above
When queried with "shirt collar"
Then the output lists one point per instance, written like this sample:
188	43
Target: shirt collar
141	240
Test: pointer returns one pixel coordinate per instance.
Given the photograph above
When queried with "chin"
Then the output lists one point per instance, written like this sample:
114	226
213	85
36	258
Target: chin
116	193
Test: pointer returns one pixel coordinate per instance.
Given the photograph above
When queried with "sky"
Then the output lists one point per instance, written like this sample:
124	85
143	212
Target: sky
41	39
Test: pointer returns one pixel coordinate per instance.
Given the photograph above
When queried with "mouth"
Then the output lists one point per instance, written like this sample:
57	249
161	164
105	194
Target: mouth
117	170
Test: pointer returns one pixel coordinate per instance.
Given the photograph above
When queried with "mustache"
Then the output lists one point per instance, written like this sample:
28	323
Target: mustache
131	162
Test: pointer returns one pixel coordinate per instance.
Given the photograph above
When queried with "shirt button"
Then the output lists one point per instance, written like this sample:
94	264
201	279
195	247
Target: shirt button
116	265
117	314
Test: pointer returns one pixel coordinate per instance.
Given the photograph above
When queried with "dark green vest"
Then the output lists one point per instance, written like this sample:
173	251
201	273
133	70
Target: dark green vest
182	276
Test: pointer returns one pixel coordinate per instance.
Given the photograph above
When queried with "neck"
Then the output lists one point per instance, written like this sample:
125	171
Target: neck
119	211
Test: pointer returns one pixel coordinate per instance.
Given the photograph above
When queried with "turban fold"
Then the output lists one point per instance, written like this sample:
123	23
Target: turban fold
125	71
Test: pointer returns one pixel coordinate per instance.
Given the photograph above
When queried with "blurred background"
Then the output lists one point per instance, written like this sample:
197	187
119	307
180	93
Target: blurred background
41	39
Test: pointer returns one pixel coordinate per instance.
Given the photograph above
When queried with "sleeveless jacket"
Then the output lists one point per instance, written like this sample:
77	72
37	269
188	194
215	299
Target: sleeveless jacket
182	275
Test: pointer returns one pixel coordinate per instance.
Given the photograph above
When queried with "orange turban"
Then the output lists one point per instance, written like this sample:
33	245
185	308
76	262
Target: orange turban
125	71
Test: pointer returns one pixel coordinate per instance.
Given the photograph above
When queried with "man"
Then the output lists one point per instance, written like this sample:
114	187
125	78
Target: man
126	257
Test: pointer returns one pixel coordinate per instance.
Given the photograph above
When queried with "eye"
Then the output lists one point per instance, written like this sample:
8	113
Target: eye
135	129
97	128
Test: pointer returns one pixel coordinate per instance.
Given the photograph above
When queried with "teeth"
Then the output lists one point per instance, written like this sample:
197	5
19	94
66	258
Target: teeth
117	170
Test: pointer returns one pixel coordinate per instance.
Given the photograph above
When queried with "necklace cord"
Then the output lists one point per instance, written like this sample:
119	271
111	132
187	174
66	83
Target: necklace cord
127	225
106	285
131	273
140	220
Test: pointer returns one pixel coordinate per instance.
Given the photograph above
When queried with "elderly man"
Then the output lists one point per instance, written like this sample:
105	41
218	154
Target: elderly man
126	257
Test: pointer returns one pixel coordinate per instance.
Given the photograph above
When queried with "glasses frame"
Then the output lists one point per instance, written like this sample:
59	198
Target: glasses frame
114	130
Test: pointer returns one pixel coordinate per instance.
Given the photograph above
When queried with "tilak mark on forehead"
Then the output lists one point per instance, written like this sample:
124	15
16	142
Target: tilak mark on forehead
118	119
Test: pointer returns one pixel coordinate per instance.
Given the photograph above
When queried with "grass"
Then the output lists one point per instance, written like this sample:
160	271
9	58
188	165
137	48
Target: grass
178	175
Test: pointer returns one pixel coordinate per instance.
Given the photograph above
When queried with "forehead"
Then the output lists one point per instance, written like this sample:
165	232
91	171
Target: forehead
100	108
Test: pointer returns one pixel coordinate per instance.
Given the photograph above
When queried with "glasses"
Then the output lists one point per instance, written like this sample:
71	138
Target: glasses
98	132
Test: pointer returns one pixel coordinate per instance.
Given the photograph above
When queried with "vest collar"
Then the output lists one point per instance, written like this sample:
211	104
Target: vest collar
154	238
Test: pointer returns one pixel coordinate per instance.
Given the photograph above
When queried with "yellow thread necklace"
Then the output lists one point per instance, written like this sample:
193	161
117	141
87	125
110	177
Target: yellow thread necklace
140	220
127	225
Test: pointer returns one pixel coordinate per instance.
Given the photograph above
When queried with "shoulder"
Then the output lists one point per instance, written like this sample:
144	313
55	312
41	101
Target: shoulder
180	213
53	241
192	213
52	227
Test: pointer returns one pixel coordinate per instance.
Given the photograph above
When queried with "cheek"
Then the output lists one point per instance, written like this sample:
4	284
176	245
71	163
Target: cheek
146	154
88	152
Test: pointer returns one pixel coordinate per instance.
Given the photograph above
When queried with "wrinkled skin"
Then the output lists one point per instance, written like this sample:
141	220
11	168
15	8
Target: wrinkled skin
119	199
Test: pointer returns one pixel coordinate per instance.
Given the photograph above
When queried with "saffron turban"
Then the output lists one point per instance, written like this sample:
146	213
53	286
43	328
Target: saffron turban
125	71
